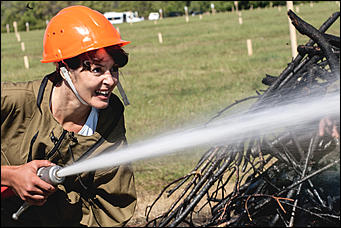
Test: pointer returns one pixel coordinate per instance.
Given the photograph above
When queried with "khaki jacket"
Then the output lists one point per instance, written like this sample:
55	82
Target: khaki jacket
100	198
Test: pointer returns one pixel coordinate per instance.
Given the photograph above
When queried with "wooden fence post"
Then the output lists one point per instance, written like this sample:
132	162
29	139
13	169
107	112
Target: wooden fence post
22	46
15	27
292	31
236	5
161	15
18	37
186	13
160	38
249	47
27	27
212	8
27	66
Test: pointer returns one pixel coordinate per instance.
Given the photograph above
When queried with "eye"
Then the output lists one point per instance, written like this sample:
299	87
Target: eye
97	70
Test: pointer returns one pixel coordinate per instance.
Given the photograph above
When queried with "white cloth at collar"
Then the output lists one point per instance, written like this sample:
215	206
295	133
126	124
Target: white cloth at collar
91	123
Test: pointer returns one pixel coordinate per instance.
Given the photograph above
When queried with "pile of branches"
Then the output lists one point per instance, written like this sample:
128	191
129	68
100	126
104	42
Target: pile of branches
286	179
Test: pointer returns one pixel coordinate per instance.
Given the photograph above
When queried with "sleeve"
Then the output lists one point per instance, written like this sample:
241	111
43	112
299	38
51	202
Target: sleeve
17	100
113	200
8	104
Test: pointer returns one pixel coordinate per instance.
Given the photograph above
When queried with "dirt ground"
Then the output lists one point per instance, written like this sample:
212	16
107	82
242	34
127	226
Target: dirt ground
145	198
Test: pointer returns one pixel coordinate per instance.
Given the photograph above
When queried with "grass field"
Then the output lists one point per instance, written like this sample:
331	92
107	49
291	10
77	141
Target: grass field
201	67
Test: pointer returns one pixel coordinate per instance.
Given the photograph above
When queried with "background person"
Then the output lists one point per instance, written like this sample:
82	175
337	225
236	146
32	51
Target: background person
70	115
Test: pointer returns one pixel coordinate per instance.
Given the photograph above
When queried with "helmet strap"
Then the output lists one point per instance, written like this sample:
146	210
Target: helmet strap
66	75
123	94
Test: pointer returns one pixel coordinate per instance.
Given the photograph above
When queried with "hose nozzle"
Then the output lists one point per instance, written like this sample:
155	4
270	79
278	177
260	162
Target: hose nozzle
50	174
47	174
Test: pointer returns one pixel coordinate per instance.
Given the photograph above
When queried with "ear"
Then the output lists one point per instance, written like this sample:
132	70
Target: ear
64	73
62	69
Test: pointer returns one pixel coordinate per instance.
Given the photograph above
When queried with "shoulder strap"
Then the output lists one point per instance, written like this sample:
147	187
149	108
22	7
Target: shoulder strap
29	158
42	90
54	77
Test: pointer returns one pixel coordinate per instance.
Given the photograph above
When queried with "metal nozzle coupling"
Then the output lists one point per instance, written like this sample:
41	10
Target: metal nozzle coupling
49	174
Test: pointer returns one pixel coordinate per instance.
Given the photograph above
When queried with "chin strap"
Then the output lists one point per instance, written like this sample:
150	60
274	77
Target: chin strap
66	75
123	94
120	88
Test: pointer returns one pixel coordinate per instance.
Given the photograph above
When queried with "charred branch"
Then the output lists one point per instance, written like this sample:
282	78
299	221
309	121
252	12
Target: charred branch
317	37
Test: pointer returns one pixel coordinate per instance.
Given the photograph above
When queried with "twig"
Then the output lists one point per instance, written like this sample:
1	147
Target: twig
264	195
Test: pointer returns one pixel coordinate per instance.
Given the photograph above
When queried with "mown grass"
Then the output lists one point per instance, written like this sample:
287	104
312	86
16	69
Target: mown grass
201	67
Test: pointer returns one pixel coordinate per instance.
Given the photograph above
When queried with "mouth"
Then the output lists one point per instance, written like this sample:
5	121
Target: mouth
102	93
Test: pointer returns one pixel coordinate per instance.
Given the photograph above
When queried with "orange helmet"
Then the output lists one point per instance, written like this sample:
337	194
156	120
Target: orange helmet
75	30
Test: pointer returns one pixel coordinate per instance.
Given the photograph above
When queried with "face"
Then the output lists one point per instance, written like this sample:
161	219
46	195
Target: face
96	84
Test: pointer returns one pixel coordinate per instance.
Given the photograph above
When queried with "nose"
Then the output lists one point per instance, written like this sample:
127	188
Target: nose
110	78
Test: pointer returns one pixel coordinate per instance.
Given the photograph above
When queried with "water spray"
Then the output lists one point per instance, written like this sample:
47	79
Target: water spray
231	129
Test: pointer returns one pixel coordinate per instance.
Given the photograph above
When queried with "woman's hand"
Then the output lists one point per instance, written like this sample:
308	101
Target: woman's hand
328	126
24	181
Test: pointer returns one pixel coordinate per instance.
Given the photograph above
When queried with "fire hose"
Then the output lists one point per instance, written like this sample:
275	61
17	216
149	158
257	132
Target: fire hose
47	174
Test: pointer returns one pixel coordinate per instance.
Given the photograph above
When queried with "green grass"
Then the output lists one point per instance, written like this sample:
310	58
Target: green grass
201	67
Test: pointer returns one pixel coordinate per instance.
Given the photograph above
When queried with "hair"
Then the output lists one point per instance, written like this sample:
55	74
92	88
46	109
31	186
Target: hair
83	60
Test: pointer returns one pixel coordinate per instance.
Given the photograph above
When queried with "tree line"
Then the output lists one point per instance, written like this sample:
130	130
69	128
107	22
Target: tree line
37	13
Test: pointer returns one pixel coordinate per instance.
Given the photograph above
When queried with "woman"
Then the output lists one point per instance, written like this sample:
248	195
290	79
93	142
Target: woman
71	114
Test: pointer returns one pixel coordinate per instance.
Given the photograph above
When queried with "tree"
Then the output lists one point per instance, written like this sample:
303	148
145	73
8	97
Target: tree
45	10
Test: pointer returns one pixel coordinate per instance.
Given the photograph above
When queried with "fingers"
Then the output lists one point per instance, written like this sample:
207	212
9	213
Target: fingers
29	186
37	200
33	196
45	188
42	187
41	163
335	132
37	193
321	128
327	126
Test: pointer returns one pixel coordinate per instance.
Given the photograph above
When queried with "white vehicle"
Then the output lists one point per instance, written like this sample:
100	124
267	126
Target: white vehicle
153	16
121	17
